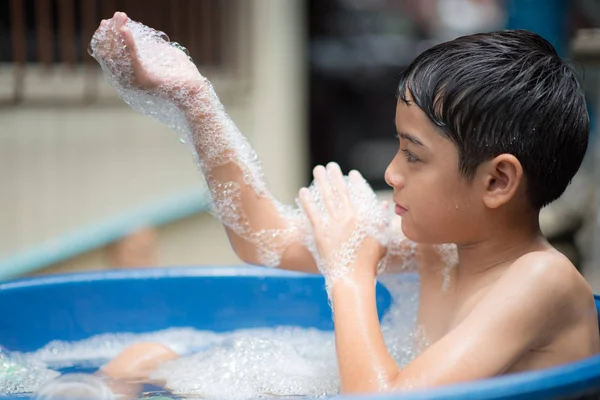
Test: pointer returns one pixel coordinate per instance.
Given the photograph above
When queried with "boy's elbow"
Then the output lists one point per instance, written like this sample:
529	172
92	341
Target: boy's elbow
242	249
383	382
245	256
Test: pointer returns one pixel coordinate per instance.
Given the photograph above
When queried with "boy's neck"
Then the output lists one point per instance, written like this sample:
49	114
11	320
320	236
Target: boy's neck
504	244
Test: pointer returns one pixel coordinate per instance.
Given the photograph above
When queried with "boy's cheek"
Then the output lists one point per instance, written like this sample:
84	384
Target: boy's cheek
432	222
419	232
415	223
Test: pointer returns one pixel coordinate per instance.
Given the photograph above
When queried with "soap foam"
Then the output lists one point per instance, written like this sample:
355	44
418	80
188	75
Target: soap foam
238	365
19	374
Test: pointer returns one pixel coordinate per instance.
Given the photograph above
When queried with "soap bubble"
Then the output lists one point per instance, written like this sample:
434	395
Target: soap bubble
75	386
163	36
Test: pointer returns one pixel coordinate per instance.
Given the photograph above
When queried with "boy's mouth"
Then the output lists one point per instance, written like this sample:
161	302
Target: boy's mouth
400	210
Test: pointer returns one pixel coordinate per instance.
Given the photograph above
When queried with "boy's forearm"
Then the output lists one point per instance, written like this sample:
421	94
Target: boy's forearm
364	362
258	229
260	213
159	80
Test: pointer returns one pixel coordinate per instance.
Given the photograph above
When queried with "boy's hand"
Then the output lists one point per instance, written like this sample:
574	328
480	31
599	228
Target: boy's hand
345	225
169	71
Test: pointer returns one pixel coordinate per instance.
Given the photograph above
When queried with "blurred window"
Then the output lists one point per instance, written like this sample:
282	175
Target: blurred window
50	33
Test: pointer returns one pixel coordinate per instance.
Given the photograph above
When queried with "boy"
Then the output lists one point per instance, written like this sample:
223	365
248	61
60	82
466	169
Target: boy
491	128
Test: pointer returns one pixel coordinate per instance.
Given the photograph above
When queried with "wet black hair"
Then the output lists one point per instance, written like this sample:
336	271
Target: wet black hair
504	92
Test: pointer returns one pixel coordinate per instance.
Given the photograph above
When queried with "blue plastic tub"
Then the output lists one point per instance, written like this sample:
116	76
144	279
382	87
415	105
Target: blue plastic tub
35	311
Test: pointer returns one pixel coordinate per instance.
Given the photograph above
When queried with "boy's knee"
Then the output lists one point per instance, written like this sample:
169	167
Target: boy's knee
138	360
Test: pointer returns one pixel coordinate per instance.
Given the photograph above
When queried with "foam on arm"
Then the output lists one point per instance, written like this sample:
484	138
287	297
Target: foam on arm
157	78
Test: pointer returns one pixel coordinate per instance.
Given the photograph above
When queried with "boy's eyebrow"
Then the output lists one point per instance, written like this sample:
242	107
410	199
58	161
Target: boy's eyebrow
411	138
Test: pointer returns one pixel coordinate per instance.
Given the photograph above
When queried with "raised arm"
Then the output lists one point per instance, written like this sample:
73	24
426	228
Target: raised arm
157	78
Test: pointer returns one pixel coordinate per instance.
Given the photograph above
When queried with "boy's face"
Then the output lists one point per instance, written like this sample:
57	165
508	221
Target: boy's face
436	203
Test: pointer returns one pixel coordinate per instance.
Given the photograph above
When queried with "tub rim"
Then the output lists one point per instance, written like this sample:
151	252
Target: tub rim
574	378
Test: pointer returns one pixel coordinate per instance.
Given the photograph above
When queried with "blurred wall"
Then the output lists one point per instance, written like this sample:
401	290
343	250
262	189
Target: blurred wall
64	167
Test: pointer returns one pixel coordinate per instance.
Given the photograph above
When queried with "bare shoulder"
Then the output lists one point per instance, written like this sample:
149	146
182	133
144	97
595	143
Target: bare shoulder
548	277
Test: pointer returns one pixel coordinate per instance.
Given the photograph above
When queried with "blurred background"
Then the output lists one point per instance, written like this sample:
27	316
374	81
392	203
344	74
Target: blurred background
88	184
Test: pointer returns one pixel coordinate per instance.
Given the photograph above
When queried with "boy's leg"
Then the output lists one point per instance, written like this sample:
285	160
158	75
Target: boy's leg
138	361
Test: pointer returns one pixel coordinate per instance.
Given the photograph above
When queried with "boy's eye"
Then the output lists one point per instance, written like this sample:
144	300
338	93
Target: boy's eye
410	157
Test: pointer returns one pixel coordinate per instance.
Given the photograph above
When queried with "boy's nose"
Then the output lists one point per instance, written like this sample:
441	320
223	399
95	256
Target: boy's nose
393	178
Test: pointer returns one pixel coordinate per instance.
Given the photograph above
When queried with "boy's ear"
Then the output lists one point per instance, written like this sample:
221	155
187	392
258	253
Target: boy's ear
502	179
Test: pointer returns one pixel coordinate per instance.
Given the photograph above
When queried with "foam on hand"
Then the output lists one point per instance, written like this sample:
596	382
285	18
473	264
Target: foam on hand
370	220
157	78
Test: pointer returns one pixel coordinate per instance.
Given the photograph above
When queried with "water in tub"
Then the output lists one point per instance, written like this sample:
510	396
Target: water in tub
242	364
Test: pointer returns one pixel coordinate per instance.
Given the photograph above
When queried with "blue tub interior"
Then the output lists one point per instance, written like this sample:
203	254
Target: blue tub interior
73	307
76	306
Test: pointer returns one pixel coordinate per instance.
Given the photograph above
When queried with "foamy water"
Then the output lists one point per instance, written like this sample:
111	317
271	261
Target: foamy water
242	364
20	374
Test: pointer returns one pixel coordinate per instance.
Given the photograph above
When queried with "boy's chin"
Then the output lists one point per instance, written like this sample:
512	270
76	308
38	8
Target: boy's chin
408	232
417	236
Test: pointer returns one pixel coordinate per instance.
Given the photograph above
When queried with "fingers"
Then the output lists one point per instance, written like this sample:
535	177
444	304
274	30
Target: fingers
340	188
356	177
366	202
357	182
109	44
333	188
129	43
118	19
310	208
116	44
360	185
324	187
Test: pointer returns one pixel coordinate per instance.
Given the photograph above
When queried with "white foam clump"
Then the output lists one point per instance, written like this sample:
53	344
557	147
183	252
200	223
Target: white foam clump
99	349
449	255
19	375
263	363
77	387
295	363
370	219
167	86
